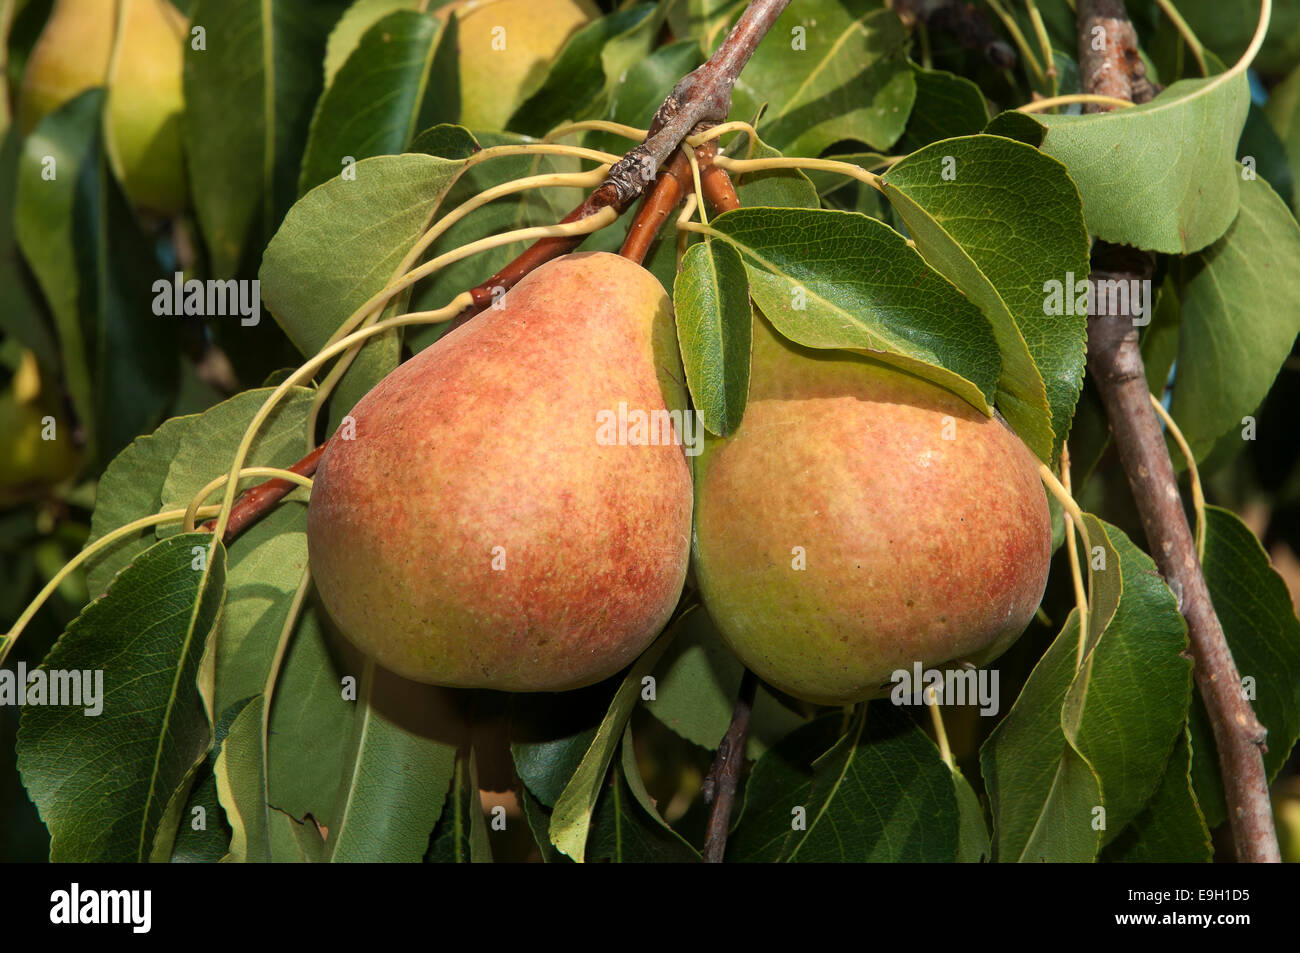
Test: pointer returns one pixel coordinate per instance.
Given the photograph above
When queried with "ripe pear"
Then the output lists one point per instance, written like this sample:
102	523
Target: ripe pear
860	520
505	48
75	52
481	529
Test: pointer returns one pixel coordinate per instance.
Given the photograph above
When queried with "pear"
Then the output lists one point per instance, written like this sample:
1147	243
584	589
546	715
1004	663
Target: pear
505	48
860	520
75	52
476	523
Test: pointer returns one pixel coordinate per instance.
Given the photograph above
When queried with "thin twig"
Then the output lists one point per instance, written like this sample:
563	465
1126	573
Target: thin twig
673	183
724	777
257	501
1115	364
715	182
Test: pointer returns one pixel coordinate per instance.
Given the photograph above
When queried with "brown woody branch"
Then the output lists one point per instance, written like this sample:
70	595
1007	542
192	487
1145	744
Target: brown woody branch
1108	54
724	777
1115	364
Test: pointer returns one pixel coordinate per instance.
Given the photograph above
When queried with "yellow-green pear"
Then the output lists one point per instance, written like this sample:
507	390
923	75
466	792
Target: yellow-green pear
505	48
861	520
480	520
80	48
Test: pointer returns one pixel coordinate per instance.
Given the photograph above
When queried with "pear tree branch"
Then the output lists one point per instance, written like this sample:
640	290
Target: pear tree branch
724	777
1115	364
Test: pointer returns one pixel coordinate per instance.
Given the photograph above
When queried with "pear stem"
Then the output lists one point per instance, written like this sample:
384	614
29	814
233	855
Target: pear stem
1116	367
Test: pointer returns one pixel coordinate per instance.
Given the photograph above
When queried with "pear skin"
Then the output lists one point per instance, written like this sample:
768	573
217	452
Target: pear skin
860	520
481	530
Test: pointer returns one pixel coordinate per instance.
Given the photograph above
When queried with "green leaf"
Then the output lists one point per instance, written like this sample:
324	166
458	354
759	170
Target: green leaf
576	84
1160	176
95	267
353	25
294	841
1171	828
311	722
878	793
973	832
21	314
829	70
1001	222
1259	621
203	836
1240	316
626	828
842	280
396	776
461	834
946	106
250	94
714	325
130	488
1019	126
341	243
571	819
241	784
539	825
550	734
447	141
1283	111
387	91
103	782
697	683
1262	150
1227	27
1093	737
779	188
